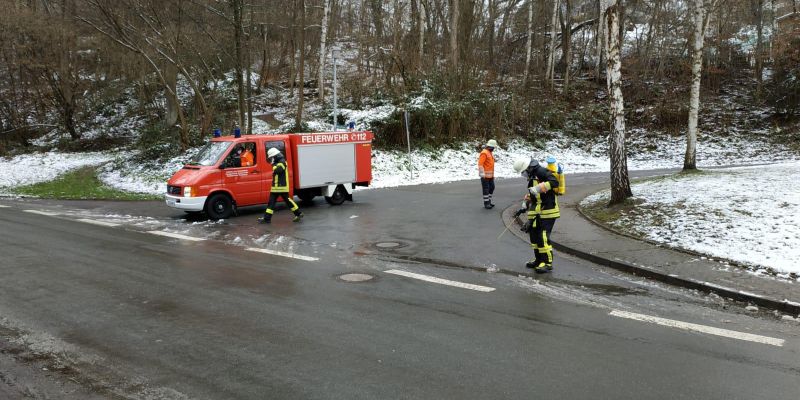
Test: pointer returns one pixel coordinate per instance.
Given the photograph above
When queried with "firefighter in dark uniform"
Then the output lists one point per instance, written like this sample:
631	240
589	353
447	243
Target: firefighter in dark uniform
542	207
280	187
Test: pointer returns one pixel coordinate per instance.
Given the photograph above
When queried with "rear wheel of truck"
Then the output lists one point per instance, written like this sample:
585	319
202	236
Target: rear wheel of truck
219	206
338	197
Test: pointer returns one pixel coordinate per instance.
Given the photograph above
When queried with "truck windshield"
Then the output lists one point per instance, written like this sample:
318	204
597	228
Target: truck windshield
210	153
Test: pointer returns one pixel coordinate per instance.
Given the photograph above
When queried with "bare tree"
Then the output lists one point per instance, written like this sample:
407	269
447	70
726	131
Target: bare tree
454	17
599	41
566	42
236	5
551	57
298	119
529	44
759	15
620	183
700	10
322	54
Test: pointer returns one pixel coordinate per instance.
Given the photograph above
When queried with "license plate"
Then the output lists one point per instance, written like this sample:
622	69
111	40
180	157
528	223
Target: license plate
171	203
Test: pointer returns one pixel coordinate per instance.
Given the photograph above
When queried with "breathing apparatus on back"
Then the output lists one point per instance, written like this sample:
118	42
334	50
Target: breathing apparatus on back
558	171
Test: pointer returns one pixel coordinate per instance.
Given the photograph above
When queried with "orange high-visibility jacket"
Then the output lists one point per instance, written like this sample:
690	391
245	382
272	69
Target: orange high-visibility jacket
247	159
486	164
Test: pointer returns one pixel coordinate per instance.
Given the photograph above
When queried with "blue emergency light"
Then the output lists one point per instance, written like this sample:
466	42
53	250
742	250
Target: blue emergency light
237	132
217	132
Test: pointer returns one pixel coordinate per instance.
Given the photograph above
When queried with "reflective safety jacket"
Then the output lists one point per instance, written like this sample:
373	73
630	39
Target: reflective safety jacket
486	164
280	175
544	205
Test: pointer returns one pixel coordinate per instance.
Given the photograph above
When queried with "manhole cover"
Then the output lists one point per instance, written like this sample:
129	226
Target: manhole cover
387	245
355	277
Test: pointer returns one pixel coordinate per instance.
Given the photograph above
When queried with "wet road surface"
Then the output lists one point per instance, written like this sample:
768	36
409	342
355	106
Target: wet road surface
126	313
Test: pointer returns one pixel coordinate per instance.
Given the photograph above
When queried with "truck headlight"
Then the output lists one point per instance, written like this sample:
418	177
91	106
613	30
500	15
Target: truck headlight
188	191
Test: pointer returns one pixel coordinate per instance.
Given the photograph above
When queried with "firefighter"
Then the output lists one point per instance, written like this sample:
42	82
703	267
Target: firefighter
486	172
280	187
542	207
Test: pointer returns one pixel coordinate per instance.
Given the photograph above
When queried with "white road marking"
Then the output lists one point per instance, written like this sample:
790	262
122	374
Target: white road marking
176	236
2	206
282	254
94	222
699	328
440	281
49	214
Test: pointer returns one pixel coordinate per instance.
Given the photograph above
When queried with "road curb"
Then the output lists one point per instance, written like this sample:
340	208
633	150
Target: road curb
785	306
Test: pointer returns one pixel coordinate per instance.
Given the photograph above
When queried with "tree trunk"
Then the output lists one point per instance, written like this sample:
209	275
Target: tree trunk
249	74
298	119
698	38
620	183
322	41
599	42
566	41
551	57
528	44
265	60
172	105
237	38
421	50
759	47
454	14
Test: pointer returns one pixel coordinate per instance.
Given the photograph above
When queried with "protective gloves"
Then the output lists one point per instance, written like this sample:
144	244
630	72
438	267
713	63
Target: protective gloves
537	189
527	226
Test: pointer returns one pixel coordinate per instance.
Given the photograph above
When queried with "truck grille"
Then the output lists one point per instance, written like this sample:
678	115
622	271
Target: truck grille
175	190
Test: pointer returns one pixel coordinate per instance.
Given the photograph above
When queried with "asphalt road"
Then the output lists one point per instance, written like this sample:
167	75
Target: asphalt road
89	311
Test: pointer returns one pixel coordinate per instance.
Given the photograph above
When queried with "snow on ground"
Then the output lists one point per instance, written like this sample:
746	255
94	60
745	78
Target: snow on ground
750	215
28	169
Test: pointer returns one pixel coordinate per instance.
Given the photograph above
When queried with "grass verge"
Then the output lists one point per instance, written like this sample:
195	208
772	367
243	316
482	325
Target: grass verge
80	184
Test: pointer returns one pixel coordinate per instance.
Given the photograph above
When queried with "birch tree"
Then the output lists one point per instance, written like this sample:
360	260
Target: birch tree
322	41
298	119
566	42
700	12
529	44
620	183
551	56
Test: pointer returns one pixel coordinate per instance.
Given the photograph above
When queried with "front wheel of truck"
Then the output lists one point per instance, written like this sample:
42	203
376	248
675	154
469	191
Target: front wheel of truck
219	206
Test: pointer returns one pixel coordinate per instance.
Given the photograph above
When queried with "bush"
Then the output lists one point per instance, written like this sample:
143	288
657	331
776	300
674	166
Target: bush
157	143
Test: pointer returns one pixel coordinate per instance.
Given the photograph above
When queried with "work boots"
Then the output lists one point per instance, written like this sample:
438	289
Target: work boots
538	264
297	217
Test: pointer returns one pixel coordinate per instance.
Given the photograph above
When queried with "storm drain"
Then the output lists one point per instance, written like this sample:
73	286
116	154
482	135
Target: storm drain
387	245
356	277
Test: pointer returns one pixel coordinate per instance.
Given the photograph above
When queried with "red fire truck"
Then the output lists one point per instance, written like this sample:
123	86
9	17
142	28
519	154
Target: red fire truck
328	164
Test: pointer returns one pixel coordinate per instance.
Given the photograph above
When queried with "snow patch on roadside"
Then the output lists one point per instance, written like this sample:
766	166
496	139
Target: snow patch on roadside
750	215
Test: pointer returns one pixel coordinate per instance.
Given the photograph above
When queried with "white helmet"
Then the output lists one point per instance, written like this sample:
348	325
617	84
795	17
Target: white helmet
521	165
491	143
272	152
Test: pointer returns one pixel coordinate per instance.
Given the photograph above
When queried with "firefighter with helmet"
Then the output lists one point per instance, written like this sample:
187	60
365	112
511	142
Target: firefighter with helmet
542	208
280	187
